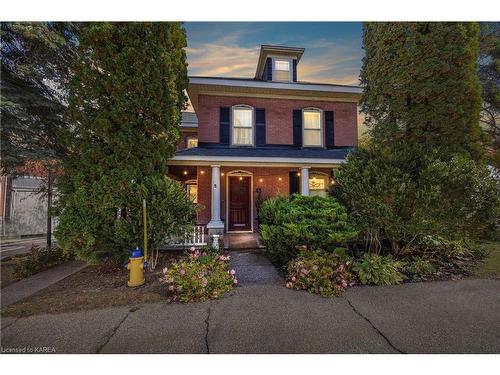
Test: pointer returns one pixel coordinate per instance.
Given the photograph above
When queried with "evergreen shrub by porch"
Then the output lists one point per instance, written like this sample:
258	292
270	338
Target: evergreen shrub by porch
320	272
378	270
288	223
199	276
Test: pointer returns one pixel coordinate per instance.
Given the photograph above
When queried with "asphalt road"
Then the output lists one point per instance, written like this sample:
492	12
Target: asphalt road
9	248
433	317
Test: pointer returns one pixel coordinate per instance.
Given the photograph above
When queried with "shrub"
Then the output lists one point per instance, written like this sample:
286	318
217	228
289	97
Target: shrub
418	267
198	277
40	259
324	273
378	270
397	198
287	223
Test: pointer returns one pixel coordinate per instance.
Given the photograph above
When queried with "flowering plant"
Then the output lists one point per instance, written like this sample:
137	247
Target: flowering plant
199	276
327	274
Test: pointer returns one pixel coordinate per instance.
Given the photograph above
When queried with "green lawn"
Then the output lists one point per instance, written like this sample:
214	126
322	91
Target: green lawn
490	268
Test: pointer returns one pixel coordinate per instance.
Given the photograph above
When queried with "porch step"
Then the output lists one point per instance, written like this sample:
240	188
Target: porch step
241	241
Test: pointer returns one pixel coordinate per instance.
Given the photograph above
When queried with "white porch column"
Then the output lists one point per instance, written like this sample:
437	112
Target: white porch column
304	181
215	224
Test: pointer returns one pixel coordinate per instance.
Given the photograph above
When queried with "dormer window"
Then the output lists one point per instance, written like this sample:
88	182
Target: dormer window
313	127
282	70
242	126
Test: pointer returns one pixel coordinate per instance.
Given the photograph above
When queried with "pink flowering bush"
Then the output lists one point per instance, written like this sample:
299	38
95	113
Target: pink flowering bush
324	273
199	276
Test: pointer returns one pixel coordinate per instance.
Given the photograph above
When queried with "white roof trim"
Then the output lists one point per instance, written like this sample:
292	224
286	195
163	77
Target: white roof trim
256	159
275	85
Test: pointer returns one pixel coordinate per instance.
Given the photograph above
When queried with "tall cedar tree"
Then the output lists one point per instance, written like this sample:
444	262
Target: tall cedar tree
421	85
125	102
489	74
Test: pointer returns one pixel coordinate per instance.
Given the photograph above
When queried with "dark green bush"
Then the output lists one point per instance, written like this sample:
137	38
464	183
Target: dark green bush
288	223
396	199
40	259
418	267
378	270
320	272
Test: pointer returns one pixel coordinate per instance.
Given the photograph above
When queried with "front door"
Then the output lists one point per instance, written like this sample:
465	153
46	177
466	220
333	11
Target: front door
239	203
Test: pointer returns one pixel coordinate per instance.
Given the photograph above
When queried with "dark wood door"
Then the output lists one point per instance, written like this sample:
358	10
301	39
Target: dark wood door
239	203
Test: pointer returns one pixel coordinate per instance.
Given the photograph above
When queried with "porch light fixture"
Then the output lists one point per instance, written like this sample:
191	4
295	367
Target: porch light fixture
241	178
298	174
279	178
222	174
261	180
202	172
185	173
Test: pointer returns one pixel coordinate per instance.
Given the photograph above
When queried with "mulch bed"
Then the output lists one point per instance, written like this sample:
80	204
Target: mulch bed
94	287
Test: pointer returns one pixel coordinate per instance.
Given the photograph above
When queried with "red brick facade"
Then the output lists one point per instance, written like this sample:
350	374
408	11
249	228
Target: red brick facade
271	181
278	117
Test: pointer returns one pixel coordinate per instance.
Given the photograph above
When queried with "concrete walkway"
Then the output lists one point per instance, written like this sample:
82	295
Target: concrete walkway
30	285
433	317
253	267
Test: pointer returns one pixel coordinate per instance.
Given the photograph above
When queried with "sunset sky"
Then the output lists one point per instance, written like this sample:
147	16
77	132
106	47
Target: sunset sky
231	49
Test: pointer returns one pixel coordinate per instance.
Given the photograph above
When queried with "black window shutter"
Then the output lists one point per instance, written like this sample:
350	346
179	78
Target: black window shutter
297	127
294	182
269	70
294	70
260	126
329	130
224	126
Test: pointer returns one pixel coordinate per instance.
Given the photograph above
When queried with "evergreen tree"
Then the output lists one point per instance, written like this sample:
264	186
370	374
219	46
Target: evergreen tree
35	73
125	104
421	85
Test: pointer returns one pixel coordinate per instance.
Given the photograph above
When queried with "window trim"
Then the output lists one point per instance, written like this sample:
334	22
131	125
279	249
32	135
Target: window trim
321	127
290	69
231	135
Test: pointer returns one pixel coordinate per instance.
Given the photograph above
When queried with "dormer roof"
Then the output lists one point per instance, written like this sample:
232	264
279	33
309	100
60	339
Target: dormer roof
267	50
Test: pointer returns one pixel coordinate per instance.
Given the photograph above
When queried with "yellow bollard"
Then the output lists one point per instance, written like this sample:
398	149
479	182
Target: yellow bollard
136	268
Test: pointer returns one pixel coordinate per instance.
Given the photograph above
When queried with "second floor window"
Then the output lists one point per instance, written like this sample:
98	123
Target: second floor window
312	128
242	126
281	70
191	142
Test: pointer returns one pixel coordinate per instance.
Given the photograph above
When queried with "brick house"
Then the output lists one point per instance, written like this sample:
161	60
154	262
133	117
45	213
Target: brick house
258	137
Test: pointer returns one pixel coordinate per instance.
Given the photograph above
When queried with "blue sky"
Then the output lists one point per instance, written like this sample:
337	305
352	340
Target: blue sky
231	49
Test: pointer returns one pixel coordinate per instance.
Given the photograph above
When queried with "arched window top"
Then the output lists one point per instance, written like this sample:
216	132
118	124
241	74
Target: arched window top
242	125
312	122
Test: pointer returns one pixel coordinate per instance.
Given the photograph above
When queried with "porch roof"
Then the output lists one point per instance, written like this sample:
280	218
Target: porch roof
260	156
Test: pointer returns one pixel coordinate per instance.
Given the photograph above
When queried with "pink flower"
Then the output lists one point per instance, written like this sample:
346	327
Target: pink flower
204	282
232	272
235	281
344	284
204	254
182	271
192	248
294	278
165	270
289	284
171	287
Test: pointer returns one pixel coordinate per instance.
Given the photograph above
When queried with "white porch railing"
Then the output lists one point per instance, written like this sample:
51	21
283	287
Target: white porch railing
196	237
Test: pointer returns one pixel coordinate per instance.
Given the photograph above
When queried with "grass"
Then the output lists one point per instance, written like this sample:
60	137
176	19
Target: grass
490	267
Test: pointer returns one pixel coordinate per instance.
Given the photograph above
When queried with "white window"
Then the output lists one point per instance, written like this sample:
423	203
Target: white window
191	142
281	70
242	126
192	190
318	184
311	120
